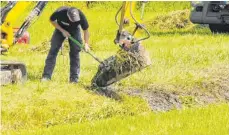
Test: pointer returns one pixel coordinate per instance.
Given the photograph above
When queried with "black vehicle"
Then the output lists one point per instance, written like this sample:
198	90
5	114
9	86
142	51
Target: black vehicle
214	13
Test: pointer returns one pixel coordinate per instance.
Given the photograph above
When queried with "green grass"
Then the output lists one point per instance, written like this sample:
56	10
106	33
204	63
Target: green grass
211	120
180	58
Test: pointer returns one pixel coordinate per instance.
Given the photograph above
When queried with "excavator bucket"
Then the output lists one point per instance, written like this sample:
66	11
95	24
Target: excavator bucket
121	65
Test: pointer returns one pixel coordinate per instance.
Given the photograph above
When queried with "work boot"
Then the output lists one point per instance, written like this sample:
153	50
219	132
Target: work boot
45	79
73	80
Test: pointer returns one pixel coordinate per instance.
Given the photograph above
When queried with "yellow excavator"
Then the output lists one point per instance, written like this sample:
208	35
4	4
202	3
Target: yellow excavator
12	71
126	16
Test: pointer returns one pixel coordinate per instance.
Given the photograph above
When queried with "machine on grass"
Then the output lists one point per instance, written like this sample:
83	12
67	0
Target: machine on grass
14	71
213	13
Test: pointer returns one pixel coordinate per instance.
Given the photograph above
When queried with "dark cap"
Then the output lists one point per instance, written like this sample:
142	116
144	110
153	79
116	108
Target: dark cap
73	14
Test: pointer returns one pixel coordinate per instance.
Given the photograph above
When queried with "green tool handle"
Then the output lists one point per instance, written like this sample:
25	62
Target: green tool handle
82	47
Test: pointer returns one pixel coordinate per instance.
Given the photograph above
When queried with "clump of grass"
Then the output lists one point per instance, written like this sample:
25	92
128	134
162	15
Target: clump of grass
174	20
121	65
135	60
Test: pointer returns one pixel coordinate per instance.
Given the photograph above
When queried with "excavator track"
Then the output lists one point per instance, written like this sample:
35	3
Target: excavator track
12	72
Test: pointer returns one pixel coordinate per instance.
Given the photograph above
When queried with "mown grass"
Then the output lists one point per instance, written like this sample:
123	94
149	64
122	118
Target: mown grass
179	57
211	120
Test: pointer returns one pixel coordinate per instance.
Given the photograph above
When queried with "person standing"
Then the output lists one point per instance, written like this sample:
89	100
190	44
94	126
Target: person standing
67	22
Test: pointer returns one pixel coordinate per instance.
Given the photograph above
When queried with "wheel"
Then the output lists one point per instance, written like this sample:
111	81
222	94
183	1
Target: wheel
219	28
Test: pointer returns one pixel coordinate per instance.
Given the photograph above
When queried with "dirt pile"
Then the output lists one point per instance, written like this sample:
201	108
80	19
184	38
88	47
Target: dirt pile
158	100
168	97
174	20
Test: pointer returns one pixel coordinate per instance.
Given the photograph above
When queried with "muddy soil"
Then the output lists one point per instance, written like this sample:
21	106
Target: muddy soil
168	97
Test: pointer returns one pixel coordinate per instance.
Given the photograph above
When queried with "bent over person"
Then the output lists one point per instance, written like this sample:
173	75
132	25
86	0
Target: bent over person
67	22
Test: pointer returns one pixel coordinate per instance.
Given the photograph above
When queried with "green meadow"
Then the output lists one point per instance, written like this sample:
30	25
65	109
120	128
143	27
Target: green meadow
184	60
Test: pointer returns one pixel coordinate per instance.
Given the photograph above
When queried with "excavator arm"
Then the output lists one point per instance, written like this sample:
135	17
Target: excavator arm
9	15
33	14
126	13
131	58
14	71
5	10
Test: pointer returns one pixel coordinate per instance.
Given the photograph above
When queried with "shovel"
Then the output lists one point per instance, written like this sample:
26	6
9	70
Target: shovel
82	47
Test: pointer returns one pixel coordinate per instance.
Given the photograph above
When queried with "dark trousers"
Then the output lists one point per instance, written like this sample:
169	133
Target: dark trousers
56	43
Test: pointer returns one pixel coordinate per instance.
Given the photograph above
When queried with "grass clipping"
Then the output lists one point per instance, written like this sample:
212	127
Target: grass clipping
174	20
122	65
128	62
132	61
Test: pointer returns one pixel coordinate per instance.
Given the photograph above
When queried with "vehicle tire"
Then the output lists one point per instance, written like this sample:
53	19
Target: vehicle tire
219	28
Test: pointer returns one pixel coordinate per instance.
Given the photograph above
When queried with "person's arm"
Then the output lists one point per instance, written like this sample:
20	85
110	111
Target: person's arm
86	36
57	26
86	39
84	25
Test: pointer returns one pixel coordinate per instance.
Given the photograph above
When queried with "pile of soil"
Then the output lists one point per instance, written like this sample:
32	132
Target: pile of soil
168	97
174	20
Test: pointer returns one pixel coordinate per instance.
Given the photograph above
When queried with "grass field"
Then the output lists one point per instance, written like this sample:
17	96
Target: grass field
183	58
195	121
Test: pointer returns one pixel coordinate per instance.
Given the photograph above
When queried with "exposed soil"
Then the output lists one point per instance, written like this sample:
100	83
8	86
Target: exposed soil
165	98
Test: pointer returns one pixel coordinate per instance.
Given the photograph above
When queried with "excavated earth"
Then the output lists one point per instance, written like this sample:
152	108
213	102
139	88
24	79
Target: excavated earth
168	97
173	20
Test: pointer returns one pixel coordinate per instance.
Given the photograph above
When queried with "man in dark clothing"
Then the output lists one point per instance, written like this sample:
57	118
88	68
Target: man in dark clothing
66	21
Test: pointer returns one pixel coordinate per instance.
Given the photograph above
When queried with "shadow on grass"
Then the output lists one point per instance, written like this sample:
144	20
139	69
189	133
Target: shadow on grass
110	92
